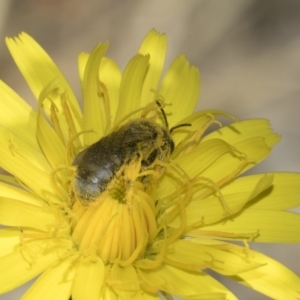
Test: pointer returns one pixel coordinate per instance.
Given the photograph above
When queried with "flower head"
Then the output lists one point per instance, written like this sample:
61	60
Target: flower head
130	197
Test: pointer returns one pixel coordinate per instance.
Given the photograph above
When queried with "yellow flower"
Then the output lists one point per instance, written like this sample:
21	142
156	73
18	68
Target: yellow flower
156	226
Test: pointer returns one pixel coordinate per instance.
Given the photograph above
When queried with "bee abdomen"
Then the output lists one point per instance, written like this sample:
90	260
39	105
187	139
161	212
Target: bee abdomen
92	179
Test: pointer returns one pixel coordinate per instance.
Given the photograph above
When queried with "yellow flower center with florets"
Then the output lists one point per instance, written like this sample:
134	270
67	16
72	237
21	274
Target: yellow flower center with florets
120	224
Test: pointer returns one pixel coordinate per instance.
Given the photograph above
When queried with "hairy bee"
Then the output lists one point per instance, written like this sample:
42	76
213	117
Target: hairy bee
140	141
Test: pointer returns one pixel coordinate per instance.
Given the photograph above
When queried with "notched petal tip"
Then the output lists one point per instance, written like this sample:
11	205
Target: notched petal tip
181	87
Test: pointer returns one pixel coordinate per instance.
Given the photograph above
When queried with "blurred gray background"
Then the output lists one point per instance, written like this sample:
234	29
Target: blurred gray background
248	53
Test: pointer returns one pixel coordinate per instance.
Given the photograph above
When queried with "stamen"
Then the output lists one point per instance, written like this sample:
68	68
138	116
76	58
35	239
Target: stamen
179	207
213	188
234	173
103	93
158	250
245	236
70	153
187	144
50	88
194	143
55	121
28	253
190	267
69	118
59	187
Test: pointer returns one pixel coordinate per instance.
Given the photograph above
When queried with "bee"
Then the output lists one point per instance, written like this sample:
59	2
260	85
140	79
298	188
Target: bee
141	142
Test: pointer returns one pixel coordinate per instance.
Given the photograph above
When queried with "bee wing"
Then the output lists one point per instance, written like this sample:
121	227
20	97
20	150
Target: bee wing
136	133
134	139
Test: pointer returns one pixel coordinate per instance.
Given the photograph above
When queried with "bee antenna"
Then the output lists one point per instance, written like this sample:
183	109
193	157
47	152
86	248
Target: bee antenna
180	125
163	113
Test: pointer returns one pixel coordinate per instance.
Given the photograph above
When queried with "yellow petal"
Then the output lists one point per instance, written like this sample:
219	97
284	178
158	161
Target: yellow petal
147	296
227	165
24	264
21	214
17	115
37	67
55	283
189	285
155	45
94	117
215	158
286	228
196	162
132	85
82	61
9	191
217	162
107	293
202	157
18	147
254	184
273	279
53	148
181	88
255	149
40	71
125	282
10	237
209	159
284	193
9	179
244	130
32	169
89	279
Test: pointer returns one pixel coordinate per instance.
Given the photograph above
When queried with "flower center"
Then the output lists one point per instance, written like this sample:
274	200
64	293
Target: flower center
118	226
118	190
